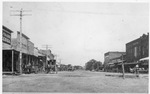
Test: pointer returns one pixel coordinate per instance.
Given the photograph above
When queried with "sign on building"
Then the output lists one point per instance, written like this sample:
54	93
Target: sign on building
6	38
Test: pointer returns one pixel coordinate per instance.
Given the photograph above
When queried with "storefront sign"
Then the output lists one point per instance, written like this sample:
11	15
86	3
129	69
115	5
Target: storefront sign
6	37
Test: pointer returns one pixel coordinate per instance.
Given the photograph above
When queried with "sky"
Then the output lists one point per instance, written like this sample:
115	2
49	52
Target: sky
79	31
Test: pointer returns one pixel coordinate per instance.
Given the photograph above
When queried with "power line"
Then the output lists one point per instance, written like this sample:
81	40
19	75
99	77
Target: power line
80	12
21	15
46	46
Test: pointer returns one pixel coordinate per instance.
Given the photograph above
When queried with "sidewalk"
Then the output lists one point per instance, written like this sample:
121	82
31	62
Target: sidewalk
127	75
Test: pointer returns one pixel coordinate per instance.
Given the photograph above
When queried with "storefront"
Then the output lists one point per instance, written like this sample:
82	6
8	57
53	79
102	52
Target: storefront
10	61
144	64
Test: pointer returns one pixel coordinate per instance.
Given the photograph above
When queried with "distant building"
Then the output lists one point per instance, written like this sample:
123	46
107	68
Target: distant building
111	58
48	53
115	64
49	57
118	60
111	55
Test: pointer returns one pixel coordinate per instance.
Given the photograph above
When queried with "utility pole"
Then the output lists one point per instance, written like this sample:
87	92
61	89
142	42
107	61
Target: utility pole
123	68
20	39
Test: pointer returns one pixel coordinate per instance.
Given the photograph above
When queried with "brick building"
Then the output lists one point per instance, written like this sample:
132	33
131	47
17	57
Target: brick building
138	49
109	59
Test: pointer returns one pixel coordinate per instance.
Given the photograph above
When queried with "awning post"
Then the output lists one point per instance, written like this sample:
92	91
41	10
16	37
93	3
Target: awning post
12	61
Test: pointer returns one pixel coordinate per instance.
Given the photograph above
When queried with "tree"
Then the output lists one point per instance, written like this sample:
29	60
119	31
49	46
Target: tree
90	64
93	65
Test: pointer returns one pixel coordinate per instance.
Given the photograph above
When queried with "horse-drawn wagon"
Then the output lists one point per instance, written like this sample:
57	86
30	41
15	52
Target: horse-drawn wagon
51	67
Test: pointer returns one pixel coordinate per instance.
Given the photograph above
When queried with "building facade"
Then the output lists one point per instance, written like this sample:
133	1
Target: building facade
137	49
28	57
30	47
111	55
7	51
110	59
6	38
16	43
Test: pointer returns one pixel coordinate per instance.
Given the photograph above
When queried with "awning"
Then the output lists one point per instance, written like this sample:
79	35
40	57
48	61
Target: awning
146	58
40	54
133	63
119	61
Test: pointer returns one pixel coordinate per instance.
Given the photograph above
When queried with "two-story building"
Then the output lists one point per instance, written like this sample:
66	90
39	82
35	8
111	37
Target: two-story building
108	59
8	53
137	50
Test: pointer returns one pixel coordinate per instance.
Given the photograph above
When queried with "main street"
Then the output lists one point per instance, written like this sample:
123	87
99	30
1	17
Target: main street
76	82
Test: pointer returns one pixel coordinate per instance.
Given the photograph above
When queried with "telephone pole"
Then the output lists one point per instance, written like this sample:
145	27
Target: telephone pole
20	39
123	67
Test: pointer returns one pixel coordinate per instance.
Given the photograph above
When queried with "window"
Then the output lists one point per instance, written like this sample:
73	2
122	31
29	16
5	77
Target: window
135	51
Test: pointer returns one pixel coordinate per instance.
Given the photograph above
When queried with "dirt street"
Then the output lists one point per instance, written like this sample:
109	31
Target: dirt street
76	82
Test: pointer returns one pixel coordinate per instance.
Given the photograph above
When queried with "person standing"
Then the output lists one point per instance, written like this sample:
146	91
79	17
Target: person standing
137	70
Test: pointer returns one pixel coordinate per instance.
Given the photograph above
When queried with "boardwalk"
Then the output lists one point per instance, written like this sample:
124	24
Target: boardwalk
75	82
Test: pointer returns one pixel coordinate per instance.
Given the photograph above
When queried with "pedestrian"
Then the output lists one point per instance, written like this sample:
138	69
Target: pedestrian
137	70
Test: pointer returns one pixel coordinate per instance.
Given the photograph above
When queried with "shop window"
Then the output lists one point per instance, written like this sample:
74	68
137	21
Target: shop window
135	51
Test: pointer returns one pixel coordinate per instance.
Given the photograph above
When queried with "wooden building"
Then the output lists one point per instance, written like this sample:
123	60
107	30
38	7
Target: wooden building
7	51
28	58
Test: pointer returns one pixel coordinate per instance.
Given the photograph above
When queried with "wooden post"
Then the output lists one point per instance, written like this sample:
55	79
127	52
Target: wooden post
26	59
12	61
123	68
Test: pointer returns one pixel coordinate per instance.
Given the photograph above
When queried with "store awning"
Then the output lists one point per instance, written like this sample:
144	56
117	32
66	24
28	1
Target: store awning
146	58
133	63
8	49
120	61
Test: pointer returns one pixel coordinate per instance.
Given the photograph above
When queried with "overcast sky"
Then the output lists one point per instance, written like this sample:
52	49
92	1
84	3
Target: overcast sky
80	31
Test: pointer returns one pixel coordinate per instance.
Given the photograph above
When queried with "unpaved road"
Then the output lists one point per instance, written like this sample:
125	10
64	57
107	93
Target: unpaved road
75	82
